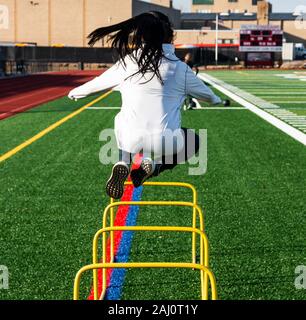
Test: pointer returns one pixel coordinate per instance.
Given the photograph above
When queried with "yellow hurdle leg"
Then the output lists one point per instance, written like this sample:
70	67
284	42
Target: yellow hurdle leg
112	237
95	271
194	224
204	256
104	271
194	238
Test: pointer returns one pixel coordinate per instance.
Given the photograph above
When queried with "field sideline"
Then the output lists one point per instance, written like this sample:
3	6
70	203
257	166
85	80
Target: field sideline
52	197
281	93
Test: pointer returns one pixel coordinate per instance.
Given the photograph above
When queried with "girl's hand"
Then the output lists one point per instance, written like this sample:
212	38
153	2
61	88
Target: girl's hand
71	97
226	103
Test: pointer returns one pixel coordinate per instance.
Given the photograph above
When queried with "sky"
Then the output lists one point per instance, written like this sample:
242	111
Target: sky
278	5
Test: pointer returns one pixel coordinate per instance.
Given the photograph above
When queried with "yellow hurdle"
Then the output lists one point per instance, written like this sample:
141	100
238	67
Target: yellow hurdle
204	270
162	184
109	212
203	242
144	265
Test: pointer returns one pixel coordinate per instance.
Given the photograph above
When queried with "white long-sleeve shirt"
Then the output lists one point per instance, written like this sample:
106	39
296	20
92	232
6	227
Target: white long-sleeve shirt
149	108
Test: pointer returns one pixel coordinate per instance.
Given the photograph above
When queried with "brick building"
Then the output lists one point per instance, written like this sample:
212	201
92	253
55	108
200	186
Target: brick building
68	22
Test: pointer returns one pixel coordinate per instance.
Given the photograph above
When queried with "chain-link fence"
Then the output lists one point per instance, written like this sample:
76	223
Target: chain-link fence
24	60
27	60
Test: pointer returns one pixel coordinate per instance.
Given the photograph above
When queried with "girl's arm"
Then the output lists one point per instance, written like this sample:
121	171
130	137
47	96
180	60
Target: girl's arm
197	89
109	79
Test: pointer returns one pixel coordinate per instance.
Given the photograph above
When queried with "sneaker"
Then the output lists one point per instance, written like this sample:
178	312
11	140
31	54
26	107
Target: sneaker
192	105
140	175
226	103
115	184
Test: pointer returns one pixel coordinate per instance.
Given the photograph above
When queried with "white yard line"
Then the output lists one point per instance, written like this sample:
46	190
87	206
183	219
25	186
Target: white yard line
286	116
282	111
294	121
290	102
219	108
297	123
104	108
292	118
283	126
266	93
283	93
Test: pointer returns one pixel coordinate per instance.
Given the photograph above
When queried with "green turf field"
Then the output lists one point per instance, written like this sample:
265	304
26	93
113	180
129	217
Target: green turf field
52	196
284	89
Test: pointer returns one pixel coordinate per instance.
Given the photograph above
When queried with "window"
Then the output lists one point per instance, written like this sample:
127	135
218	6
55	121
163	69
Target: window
228	41
203	11
203	2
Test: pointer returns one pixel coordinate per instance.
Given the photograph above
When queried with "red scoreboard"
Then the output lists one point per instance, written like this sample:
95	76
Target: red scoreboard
255	38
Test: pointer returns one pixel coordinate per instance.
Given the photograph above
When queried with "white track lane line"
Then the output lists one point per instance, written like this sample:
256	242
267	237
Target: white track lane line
281	125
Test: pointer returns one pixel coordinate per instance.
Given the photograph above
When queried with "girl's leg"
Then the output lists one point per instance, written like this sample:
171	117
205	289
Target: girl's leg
150	168
120	172
125	156
190	139
145	170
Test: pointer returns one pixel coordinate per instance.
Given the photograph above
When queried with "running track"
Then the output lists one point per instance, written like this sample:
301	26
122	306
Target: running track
22	93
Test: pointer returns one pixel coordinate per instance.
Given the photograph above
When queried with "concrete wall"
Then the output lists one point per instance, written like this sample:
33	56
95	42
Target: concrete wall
225	5
105	12
263	12
206	37
293	34
67	22
7	29
165	3
67	28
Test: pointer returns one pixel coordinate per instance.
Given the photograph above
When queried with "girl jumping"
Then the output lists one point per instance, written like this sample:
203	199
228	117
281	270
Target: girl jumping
154	84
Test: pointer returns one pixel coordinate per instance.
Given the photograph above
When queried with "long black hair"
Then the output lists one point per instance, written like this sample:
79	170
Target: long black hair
141	38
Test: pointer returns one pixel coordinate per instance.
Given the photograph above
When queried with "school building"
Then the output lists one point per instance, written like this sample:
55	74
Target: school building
199	26
68	22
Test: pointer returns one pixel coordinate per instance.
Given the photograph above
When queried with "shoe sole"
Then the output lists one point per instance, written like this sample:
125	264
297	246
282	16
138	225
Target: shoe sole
115	185
140	175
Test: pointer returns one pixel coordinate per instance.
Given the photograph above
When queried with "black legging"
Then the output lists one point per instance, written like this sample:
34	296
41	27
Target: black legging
182	157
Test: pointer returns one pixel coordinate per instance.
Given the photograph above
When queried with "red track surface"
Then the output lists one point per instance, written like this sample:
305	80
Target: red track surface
23	93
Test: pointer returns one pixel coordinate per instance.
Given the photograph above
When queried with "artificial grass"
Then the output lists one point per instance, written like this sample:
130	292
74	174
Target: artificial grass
269	85
22	126
255	208
299	112
52	196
